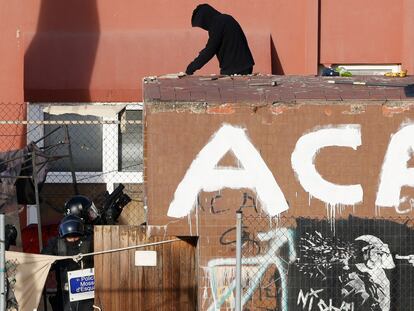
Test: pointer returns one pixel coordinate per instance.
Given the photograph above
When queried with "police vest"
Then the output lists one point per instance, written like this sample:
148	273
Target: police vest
62	250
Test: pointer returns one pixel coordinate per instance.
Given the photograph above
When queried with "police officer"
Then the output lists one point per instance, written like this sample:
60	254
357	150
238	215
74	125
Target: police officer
83	207
72	240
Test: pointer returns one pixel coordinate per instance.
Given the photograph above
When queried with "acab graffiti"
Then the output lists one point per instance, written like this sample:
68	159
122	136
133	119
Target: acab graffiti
204	174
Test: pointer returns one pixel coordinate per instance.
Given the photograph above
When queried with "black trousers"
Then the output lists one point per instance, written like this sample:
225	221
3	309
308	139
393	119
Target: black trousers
247	71
242	72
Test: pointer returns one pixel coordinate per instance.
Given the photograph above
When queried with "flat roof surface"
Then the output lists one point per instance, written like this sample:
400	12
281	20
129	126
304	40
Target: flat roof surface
260	89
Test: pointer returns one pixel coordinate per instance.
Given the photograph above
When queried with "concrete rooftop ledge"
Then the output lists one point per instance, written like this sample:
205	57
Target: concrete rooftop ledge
269	89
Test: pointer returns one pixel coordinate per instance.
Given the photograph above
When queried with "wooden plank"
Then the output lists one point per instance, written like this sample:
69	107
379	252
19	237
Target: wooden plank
114	268
167	274
135	299
125	268
150	284
185	261
120	285
106	281
98	264
194	276
175	275
187	276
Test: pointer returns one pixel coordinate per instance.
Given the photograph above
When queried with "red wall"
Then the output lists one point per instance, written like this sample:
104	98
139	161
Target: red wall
99	50
11	75
362	31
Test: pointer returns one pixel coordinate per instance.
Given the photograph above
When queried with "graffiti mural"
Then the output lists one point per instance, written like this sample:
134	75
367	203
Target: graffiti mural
360	270
322	269
222	270
363	265
360	267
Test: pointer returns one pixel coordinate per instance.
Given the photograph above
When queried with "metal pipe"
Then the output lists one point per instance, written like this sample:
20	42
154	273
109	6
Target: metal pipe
239	224
36	187
47	135
2	264
72	165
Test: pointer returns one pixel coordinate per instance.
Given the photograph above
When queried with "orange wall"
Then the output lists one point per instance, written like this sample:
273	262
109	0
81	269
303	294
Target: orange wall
361	31
99	50
11	75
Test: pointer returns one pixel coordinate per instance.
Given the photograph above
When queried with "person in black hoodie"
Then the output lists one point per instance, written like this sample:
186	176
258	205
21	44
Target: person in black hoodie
226	40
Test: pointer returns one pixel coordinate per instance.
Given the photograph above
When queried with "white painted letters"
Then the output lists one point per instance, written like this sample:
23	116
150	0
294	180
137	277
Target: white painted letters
303	164
204	174
395	173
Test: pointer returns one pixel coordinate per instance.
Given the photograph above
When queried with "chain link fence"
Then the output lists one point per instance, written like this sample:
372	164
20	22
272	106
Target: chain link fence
351	264
90	149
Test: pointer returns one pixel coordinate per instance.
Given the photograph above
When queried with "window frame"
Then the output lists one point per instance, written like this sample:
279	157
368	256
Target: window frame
110	152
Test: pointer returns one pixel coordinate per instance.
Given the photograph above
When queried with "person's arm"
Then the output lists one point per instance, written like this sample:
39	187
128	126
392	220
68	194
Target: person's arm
212	46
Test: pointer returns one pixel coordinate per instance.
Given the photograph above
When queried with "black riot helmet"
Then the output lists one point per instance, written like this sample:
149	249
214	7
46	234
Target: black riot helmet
83	207
71	225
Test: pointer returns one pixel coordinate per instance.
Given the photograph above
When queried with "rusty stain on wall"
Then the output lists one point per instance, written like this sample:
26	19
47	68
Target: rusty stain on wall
389	111
222	109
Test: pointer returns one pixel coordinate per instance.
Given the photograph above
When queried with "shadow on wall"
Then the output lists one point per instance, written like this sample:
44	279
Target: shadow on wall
60	55
277	68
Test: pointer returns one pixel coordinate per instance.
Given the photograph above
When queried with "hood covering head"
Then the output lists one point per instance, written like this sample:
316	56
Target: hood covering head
203	16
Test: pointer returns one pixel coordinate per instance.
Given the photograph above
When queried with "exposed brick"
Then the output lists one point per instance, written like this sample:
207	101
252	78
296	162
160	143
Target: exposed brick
352	94
213	94
310	95
198	95
167	94
388	111
394	93
227	95
222	109
272	97
289	88
287	97
152	92
333	96
249	97
182	94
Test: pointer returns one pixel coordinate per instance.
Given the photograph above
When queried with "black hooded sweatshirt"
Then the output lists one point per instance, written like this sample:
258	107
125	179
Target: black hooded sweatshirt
226	40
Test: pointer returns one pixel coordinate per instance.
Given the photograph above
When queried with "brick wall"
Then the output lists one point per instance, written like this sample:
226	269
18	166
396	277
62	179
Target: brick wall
329	161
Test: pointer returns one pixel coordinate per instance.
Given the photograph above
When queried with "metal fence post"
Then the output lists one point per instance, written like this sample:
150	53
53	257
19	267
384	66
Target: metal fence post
239	223
2	264
36	187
